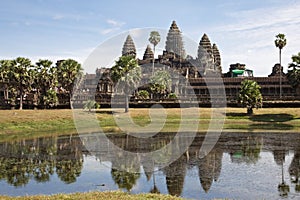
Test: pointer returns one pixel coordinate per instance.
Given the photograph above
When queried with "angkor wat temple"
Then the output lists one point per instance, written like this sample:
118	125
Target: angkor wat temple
198	78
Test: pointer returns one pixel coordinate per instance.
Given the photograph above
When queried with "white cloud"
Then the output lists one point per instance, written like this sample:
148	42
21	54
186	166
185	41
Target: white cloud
27	23
76	17
113	26
108	30
58	17
115	23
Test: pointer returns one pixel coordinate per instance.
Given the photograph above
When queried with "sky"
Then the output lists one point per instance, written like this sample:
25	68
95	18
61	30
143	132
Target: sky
243	30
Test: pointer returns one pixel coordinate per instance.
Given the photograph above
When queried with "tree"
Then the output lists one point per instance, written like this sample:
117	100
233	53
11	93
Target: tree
143	94
20	77
124	180
294	72
172	96
154	39
46	81
5	66
127	73
280	42
50	98
68	72
160	82
250	95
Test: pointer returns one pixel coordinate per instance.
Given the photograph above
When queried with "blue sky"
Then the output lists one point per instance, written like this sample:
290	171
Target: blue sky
243	30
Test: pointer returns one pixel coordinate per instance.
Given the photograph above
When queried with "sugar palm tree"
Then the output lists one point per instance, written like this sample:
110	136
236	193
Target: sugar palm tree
154	39
68	72
280	42
20	76
250	95
127	73
4	75
294	72
46	80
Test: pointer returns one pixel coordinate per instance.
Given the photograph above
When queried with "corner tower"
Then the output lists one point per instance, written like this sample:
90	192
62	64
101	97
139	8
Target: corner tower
148	55
217	57
129	47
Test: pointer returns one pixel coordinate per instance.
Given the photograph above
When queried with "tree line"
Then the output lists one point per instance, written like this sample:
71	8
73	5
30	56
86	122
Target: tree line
20	77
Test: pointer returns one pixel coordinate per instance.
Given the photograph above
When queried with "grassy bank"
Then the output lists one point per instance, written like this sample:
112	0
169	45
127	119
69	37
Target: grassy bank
31	123
115	195
28	123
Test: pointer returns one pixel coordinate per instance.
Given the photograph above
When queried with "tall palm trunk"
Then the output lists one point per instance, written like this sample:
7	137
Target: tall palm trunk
70	99
126	103
6	92
153	60
21	98
280	74
250	110
126	98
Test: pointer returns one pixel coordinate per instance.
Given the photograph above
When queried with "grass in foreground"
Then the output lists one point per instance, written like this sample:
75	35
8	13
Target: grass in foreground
111	195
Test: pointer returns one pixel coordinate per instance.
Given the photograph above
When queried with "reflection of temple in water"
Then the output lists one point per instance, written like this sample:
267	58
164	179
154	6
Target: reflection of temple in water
210	168
175	174
40	158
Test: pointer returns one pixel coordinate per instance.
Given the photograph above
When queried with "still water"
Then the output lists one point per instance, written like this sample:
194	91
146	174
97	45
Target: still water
240	166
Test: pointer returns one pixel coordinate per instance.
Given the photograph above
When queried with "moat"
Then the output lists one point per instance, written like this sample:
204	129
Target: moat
240	166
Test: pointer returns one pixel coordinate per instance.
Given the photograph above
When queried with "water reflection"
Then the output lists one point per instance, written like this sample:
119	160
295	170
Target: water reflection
40	159
294	170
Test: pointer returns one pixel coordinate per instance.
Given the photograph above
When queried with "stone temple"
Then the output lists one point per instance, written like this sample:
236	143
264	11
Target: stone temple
201	73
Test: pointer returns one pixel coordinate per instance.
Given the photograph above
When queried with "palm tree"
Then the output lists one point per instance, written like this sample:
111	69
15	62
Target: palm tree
46	80
280	42
127	73
21	79
250	95
283	188
68	72
4	75
154	39
294	74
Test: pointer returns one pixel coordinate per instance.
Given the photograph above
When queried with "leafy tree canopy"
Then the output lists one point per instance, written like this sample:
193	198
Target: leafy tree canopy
250	95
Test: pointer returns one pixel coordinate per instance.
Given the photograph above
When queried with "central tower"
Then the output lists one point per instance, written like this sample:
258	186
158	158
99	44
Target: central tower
174	43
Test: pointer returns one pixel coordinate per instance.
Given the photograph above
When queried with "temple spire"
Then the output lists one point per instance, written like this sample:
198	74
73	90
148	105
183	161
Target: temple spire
205	44
129	47
217	57
174	42
148	53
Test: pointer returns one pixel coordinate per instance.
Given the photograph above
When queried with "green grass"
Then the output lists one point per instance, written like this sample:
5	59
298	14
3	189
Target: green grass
31	123
111	195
